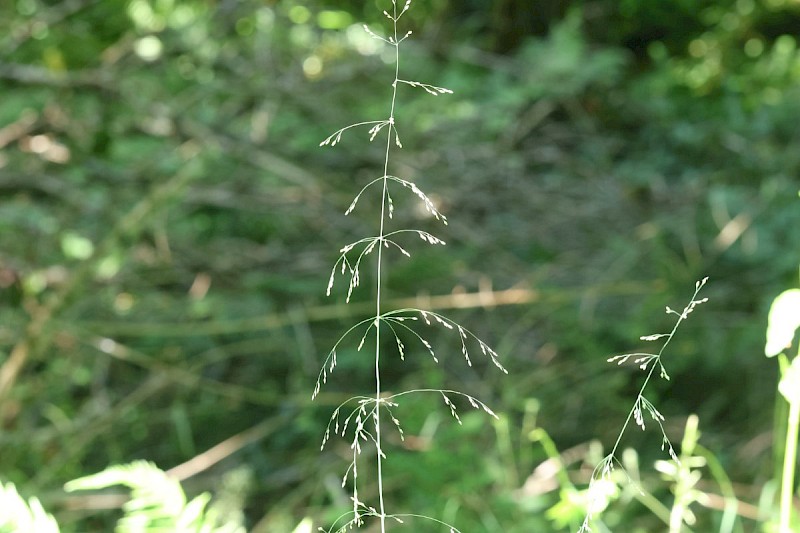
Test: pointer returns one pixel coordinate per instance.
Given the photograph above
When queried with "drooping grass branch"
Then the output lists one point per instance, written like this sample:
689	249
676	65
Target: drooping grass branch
641	405
362	419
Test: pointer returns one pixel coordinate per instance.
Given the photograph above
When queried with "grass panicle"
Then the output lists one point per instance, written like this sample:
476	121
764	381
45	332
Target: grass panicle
642	408
363	419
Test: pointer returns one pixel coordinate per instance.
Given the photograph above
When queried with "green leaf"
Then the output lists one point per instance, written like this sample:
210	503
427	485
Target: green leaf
18	514
789	385
784	319
76	246
157	502
305	526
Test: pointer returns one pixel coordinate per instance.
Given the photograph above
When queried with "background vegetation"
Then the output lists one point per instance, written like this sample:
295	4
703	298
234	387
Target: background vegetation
167	225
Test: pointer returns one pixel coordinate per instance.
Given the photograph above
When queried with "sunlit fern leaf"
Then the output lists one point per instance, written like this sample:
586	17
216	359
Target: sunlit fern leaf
158	502
19	514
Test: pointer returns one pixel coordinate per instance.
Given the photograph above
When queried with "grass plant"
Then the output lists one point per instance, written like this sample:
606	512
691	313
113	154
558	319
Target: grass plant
364	418
649	362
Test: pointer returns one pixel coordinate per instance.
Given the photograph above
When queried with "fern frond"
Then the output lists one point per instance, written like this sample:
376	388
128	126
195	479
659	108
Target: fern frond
158	502
19	514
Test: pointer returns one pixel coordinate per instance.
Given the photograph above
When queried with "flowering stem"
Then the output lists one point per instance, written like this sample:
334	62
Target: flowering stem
381	236
789	455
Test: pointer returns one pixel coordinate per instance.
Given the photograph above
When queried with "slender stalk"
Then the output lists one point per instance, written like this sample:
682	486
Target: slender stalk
683	477
780	421
377	417
787	479
381	232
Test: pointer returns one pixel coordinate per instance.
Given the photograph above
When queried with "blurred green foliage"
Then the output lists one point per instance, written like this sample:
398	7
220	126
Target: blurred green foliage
167	225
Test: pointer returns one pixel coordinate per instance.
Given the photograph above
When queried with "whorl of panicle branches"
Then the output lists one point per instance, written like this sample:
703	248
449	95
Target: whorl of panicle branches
362	419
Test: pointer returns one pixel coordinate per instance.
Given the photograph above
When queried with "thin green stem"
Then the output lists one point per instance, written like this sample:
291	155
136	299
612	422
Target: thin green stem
550	448
683	477
787	479
729	514
381	237
780	421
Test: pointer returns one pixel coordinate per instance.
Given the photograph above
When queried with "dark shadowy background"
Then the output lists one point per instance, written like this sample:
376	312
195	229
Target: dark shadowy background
168	223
